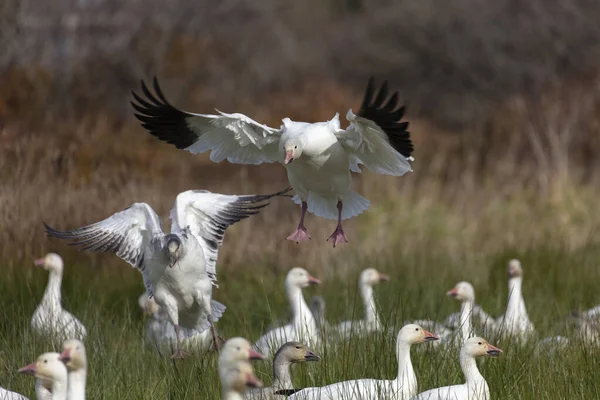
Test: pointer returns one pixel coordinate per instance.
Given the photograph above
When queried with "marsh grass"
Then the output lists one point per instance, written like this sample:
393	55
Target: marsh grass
105	299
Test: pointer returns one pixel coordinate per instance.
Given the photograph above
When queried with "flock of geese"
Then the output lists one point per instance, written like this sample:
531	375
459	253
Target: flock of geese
63	376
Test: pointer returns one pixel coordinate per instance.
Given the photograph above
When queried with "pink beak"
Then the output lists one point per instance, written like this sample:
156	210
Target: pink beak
255	355
313	281
252	381
289	157
39	262
65	356
493	351
452	293
384	277
430	336
28	369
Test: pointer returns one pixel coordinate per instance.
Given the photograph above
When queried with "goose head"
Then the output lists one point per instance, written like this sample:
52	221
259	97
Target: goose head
174	249
293	148
463	291
73	355
515	270
296	352
371	276
299	277
237	349
50	262
478	347
239	377
47	367
413	334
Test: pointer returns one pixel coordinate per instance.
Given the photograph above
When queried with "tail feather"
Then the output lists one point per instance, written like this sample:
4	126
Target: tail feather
326	207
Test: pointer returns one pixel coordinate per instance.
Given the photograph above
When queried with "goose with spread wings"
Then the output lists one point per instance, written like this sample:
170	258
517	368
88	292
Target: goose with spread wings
178	268
318	156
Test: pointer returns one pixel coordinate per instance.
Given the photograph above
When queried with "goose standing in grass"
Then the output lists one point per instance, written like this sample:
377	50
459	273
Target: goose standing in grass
475	387
372	323
303	327
234	350
178	269
515	322
48	367
237	379
74	357
401	388
288	354
50	319
318	156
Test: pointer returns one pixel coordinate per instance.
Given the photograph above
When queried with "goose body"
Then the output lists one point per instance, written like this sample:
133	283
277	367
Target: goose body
49	368
515	322
8	395
401	388
178	268
475	387
303	327
49	318
318	156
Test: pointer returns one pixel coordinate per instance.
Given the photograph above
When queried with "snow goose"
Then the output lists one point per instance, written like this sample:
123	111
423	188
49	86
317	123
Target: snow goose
288	354
236	379
515	322
74	357
178	269
49	318
234	350
303	327
8	395
372	323
475	387
48	367
318	156
401	388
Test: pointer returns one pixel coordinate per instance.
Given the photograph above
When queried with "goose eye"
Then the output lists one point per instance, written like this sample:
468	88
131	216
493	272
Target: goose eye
295	147
238	348
479	343
45	361
417	329
298	347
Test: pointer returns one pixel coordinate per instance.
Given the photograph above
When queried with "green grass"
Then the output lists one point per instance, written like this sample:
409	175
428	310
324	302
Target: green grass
556	281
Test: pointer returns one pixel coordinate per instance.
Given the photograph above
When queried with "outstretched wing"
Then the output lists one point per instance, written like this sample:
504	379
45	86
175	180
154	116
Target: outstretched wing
207	215
125	234
234	137
376	136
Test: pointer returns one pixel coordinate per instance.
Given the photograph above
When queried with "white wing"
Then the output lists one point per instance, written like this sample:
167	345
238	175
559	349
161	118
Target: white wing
125	234
376	138
207	215
234	137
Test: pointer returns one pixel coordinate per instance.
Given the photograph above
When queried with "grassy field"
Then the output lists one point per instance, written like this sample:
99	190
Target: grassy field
105	298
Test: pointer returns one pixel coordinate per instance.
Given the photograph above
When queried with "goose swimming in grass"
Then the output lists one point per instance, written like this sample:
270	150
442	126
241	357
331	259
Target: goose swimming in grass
50	319
178	268
303	327
74	357
372	323
237	379
515	322
288	354
48	367
403	387
475	387
318	156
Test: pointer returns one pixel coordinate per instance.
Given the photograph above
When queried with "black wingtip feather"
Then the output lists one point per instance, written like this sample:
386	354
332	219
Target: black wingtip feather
376	109
160	118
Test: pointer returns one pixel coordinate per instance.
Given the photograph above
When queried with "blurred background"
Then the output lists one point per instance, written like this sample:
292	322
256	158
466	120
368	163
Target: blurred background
503	100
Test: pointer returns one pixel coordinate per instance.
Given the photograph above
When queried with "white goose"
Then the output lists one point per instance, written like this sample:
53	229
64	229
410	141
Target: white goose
74	357
235	350
475	387
303	327
178	269
48	367
372	323
50	319
236	379
515	322
288	354
318	157
401	388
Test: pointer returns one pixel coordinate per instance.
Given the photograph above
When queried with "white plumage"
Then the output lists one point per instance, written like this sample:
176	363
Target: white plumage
318	156
8	395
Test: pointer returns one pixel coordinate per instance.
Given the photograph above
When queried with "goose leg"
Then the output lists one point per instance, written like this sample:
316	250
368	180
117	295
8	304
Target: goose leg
338	235
179	352
217	341
301	234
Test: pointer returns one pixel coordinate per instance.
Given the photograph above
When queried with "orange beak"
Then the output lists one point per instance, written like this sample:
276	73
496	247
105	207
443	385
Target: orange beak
252	381
384	277
493	351
30	369
65	356
452	293
313	281
289	157
255	355
430	337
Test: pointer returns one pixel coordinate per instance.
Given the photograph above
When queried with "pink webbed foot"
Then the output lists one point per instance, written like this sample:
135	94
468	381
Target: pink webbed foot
338	236
300	235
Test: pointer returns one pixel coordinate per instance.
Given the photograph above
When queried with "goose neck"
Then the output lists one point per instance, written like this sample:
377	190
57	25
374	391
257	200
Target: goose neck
77	384
299	307
59	389
515	297
282	378
232	395
470	370
52	292
406	374
466	311
366	292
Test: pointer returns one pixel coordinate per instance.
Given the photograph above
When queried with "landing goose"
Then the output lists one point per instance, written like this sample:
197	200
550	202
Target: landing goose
372	323
318	156
288	354
303	327
475	387
236	379
515	322
48	367
74	357
179	268
403	387
50	319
